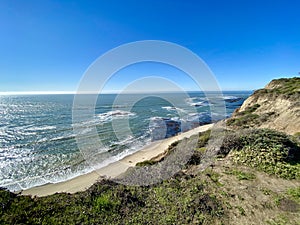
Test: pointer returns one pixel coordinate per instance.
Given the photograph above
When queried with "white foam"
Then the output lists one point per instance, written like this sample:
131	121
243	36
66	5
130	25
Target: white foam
173	108
230	97
41	128
116	114
169	108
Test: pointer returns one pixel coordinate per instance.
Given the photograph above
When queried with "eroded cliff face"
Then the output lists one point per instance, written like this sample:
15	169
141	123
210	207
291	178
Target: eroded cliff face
277	106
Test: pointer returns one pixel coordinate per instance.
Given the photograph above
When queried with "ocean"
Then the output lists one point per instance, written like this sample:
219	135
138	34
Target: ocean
38	144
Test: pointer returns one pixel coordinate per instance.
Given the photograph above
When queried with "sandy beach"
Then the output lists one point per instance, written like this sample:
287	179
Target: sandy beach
113	170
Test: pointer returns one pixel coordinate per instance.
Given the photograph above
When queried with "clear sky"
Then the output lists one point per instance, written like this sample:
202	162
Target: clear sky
48	45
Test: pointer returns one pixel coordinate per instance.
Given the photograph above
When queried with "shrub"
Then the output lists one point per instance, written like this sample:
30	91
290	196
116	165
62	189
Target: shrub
270	151
203	138
249	110
105	203
243	121
146	163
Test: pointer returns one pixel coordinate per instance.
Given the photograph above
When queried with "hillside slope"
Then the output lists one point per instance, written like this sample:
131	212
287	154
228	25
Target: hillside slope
277	106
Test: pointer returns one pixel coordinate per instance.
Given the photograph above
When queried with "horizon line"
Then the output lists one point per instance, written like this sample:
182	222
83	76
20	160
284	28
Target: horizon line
5	93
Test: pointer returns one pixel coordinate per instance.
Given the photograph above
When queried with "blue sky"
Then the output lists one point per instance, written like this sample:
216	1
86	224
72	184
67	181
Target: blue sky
48	45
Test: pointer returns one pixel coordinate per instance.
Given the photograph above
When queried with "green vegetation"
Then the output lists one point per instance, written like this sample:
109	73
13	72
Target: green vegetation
279	220
240	175
213	176
297	137
201	148
294	194
105	202
203	138
269	151
181	200
287	87
297	134
244	118
146	163
241	210
249	110
243	121
266	191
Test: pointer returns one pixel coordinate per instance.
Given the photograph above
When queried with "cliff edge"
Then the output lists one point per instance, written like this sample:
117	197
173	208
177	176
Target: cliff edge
273	107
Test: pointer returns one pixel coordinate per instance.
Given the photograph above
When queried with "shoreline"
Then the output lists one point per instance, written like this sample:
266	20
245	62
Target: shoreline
83	182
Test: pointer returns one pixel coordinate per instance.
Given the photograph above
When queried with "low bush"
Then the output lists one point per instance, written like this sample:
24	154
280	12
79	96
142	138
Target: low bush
269	151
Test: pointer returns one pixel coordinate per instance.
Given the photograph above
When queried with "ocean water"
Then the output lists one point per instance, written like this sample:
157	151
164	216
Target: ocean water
38	143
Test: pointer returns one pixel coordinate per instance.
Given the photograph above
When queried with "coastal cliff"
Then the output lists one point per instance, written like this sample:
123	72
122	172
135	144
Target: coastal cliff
277	106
